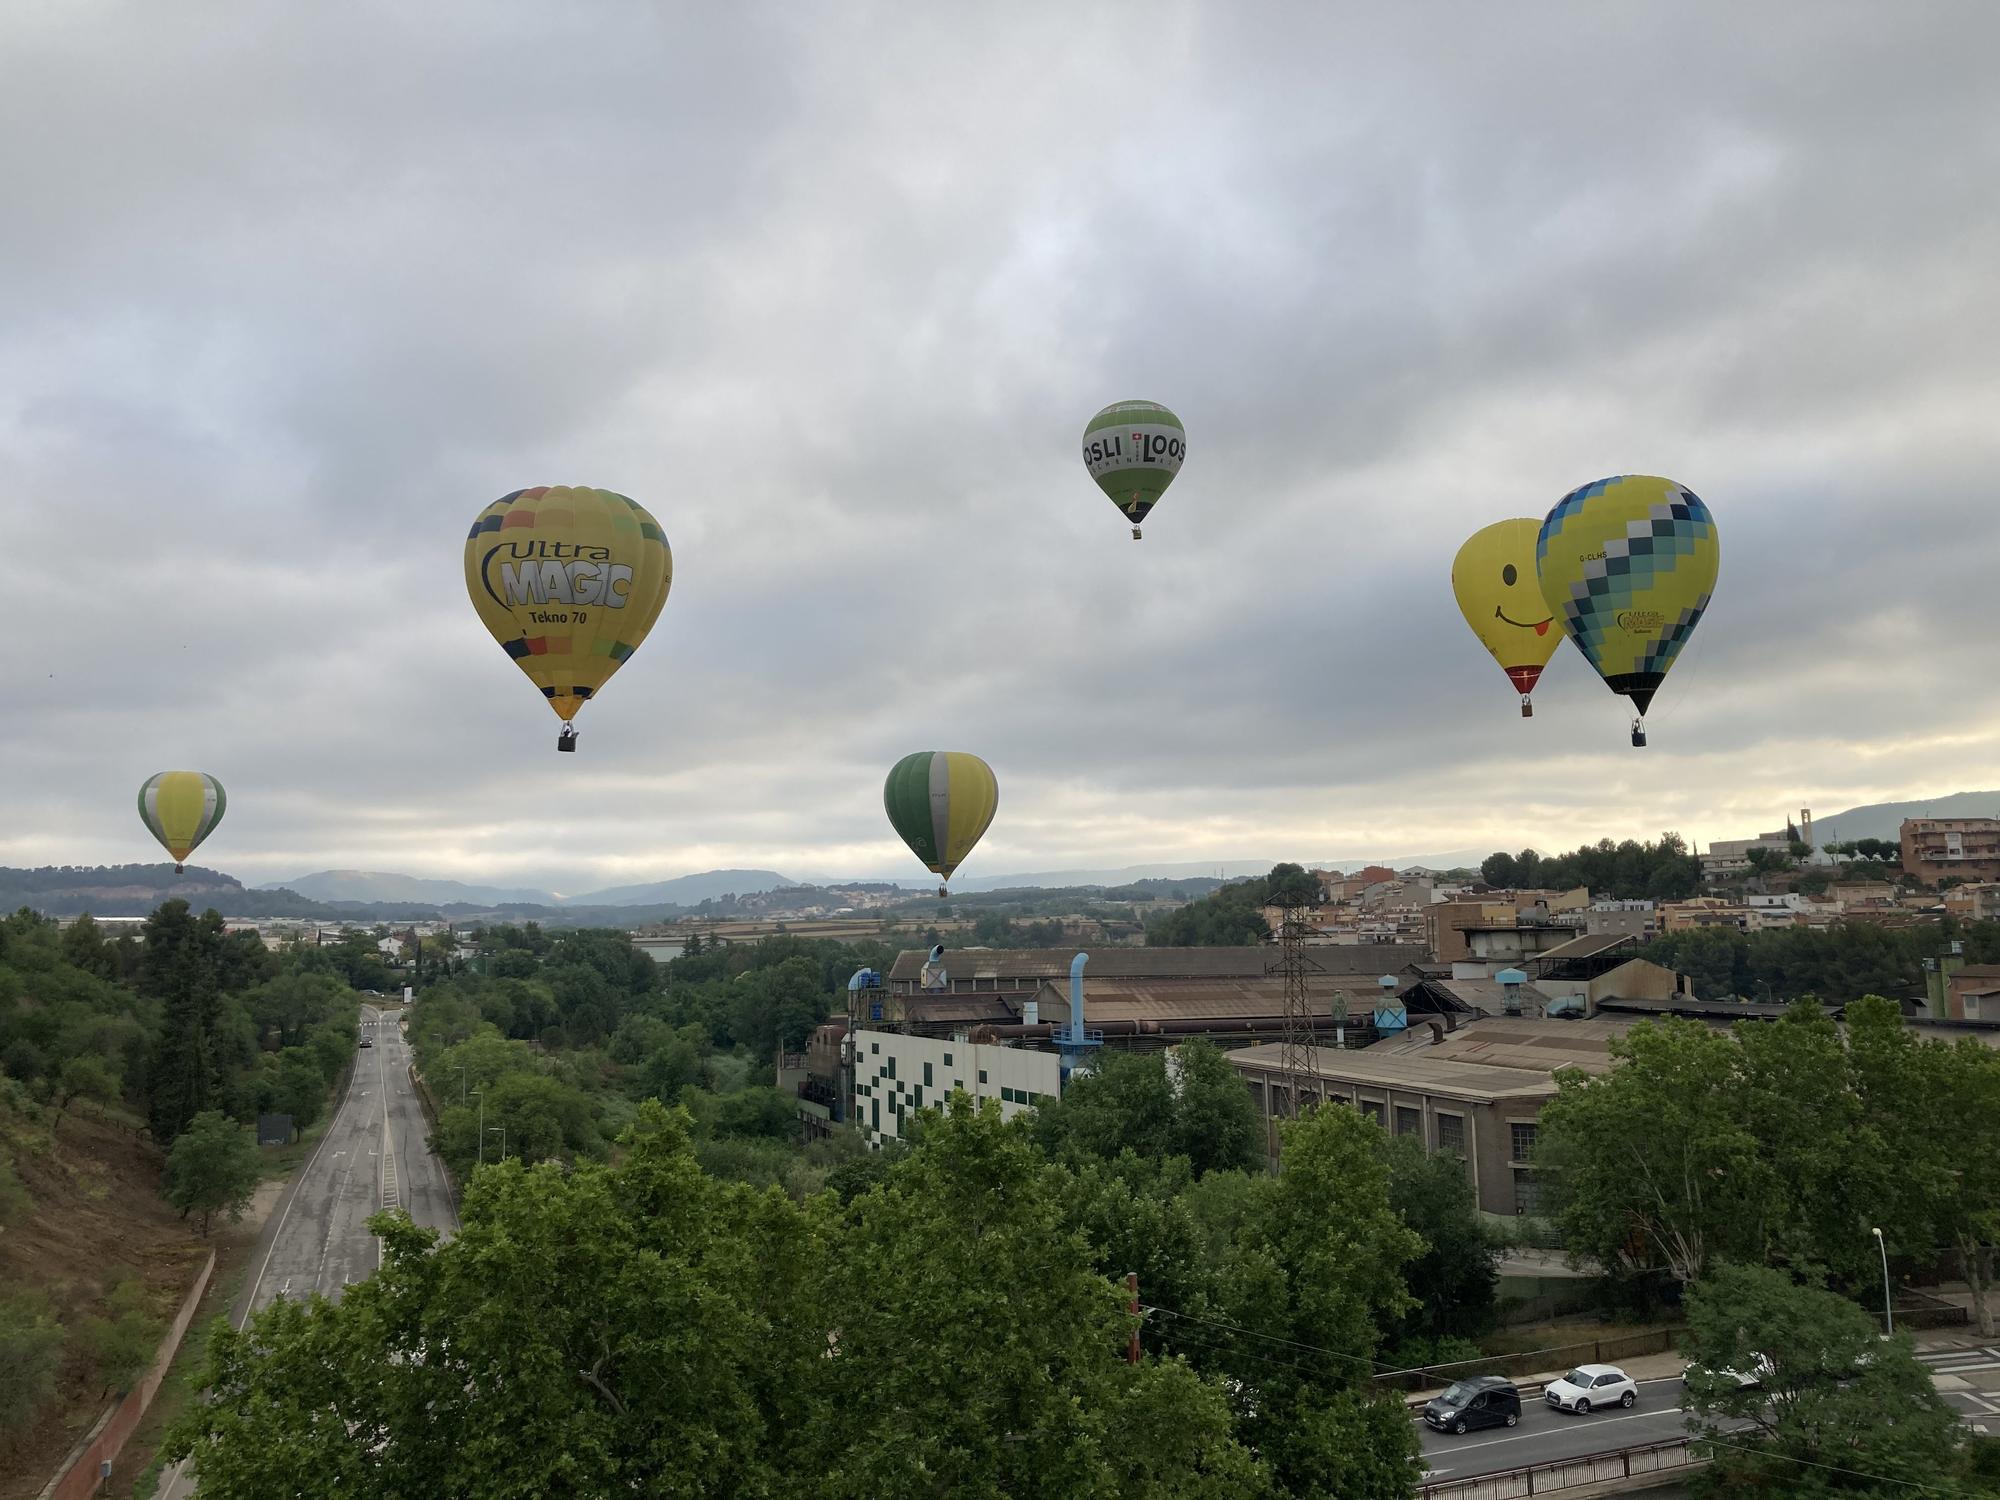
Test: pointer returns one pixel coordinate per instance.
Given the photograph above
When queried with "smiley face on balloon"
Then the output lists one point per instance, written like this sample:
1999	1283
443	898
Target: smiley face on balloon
1494	579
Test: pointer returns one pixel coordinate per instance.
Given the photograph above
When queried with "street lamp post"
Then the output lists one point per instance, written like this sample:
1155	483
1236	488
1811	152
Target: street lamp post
461	1083
480	1095
1888	1311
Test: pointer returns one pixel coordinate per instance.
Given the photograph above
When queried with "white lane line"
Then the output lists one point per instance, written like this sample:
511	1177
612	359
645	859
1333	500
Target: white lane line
1593	1419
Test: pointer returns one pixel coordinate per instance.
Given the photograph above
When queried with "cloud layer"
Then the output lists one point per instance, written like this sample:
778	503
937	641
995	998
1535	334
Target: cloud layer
287	295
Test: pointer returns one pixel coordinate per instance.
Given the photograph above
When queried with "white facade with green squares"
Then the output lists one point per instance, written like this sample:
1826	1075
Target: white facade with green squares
896	1075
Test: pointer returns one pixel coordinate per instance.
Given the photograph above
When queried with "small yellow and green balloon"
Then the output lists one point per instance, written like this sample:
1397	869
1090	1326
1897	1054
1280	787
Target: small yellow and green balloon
1624	567
1133	450
569	581
941	801
180	809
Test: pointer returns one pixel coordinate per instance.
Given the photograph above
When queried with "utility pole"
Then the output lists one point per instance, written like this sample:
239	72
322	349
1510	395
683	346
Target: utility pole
1296	1048
1132	1292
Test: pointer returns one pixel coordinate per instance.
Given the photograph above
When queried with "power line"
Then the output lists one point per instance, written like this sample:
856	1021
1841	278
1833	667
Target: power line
1252	1333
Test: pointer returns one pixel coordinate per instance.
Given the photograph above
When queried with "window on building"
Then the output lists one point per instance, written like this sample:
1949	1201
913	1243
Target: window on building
1408	1121
1523	1133
1527	1193
874	1046
892	1066
982	1075
1372	1108
947	1059
927	1072
1451	1135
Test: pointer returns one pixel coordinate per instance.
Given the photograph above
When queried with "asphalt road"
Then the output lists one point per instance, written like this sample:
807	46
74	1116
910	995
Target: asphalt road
375	1154
1545	1434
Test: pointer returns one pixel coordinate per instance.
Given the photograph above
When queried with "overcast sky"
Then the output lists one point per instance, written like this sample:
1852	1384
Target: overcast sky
287	293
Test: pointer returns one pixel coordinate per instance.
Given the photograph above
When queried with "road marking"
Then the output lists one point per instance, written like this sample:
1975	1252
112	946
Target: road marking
1594	1419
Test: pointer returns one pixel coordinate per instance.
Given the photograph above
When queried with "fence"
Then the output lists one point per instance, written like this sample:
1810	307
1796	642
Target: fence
1915	1310
80	1476
1569	1473
1535	1361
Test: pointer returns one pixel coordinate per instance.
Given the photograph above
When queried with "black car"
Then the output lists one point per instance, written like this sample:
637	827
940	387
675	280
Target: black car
1482	1401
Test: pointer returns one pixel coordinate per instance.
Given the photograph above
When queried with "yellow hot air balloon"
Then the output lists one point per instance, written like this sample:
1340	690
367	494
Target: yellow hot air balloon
1494	579
568	581
180	809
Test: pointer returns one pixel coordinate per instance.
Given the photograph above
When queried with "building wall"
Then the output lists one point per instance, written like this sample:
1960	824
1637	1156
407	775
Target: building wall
1486	1128
896	1075
1968	848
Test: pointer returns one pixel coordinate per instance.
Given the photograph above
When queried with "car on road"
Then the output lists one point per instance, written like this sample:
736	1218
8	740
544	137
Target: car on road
1589	1386
1482	1401
368	1041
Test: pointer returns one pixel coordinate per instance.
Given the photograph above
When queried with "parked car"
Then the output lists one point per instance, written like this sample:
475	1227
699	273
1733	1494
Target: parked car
1591	1385
1482	1401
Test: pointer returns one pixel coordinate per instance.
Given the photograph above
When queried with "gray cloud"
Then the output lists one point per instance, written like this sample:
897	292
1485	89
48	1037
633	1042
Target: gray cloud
286	298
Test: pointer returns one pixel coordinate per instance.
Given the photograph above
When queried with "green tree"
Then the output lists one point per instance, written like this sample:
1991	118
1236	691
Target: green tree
31	1350
213	1167
300	1088
180	968
1835	1408
1652	1162
1454	1279
121	1340
1023	1397
87	1076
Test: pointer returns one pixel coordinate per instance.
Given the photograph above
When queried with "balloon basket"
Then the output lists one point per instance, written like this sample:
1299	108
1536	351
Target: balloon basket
180	869
566	741
942	893
1527	708
1638	734
1135	534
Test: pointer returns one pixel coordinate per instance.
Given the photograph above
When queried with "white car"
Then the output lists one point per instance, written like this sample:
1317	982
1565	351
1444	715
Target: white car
1591	1385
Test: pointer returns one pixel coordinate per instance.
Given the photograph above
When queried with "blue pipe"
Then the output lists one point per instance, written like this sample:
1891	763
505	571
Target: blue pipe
1076	996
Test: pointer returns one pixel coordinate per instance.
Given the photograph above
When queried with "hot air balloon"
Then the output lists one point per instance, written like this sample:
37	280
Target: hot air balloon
568	581
180	809
1628	564
1494	579
941	801
1133	450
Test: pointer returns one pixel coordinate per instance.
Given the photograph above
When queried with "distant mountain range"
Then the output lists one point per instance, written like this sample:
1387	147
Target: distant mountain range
1884	820
383	886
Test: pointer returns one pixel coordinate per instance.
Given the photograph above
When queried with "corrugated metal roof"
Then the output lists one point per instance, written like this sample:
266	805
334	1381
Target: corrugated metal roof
1153	963
1417	1071
1588	946
939	1008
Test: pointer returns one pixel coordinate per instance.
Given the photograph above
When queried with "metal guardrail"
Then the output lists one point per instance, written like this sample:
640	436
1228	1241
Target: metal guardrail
1561	1474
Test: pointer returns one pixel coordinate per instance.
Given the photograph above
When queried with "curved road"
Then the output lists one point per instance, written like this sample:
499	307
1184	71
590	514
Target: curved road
375	1154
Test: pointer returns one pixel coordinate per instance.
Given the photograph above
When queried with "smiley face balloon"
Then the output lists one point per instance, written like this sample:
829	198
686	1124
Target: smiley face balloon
1494	579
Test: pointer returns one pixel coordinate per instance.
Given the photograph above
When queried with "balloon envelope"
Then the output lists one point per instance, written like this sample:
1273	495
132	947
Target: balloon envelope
569	581
180	809
1133	450
1628	565
941	801
1493	578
